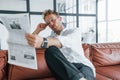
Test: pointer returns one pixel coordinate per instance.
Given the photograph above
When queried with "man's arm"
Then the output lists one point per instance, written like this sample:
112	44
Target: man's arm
54	42
39	28
36	41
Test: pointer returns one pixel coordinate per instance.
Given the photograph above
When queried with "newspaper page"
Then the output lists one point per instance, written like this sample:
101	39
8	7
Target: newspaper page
19	52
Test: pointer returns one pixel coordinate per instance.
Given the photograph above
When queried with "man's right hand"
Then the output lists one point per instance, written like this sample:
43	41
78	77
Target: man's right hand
39	28
34	40
42	26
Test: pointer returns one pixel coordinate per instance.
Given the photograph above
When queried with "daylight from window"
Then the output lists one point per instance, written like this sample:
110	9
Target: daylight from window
108	21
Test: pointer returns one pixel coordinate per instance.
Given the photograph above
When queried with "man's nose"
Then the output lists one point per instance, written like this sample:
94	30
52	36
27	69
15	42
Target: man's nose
51	23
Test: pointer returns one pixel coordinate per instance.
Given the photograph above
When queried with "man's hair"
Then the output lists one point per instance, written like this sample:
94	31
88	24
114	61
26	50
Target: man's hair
48	12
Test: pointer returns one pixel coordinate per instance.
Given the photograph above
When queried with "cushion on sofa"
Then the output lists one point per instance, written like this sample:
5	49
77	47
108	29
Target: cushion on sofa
105	54
3	62
20	73
101	77
111	72
49	78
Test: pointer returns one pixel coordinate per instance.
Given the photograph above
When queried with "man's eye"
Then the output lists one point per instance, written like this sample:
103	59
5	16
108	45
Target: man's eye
52	19
47	23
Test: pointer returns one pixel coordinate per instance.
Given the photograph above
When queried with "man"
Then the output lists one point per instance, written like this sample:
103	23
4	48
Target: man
64	53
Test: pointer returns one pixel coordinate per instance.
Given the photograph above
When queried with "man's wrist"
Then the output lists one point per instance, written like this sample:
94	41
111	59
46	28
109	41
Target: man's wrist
44	43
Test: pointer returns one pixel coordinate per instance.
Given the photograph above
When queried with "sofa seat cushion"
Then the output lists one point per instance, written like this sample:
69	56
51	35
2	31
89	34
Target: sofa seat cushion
22	73
105	54
3	62
48	78
101	77
111	72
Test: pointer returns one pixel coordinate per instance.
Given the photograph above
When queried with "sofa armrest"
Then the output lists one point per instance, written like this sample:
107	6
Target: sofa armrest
3	63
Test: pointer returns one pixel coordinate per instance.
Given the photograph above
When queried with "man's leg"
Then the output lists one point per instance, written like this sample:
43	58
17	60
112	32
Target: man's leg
61	68
87	71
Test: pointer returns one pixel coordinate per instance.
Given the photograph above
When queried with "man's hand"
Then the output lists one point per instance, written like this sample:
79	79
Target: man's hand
34	40
39	28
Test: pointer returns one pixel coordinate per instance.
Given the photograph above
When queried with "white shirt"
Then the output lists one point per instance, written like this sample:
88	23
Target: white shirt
70	39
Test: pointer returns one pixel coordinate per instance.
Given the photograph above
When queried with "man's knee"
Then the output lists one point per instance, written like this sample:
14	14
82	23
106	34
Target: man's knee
51	48
51	51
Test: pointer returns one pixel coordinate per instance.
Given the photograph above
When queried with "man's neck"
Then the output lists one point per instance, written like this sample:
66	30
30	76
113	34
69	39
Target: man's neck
58	32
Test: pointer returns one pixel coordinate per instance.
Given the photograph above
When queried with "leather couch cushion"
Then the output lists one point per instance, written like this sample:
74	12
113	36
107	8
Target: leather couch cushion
3	63
49	78
21	73
111	72
101	77
105	54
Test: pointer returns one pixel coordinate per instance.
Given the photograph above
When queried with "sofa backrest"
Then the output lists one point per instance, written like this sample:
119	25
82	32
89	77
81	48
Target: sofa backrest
87	49
104	54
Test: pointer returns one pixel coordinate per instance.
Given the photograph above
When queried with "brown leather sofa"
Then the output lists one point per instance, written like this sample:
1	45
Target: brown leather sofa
104	56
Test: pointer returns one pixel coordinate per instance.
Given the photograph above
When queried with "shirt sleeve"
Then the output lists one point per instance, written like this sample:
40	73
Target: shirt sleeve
72	39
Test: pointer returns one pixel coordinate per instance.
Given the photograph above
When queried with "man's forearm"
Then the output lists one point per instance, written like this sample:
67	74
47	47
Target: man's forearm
39	28
54	42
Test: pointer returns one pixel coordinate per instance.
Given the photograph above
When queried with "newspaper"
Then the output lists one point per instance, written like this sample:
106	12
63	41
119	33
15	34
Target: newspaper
19	52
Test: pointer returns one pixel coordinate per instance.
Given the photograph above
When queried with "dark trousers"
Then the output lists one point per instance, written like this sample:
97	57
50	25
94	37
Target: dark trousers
63	69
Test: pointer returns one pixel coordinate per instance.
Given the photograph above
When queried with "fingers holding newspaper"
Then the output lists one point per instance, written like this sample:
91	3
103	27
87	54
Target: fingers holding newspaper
34	40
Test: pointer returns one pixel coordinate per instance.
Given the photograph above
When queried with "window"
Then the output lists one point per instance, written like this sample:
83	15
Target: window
88	28
40	5
108	21
75	13
80	13
87	6
21	5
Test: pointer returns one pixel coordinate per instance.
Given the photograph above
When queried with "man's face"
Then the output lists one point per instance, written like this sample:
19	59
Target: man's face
54	22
